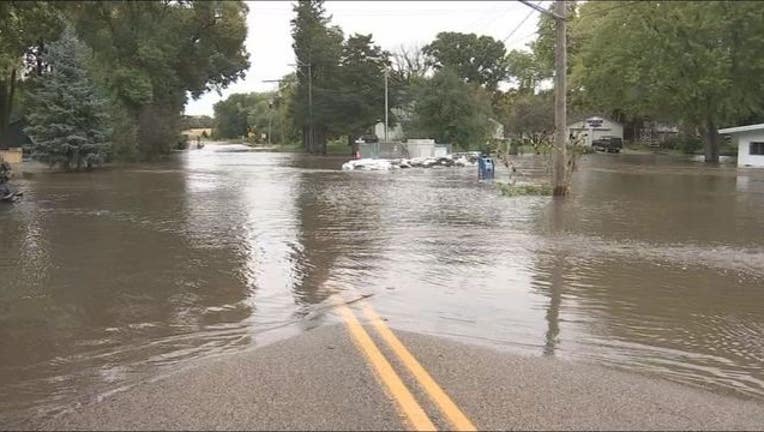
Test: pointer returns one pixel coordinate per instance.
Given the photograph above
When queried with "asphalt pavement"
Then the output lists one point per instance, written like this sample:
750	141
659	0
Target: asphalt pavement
321	380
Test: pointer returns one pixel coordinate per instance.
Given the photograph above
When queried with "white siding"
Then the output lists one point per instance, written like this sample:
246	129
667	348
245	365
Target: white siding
744	158
608	128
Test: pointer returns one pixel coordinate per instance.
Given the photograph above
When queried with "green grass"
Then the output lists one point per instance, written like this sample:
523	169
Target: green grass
524	189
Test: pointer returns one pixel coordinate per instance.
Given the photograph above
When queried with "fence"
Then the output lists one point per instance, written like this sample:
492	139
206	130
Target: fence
398	150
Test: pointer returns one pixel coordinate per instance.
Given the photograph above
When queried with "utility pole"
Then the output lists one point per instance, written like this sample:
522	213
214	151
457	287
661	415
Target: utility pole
386	104
559	177
310	109
270	118
559	159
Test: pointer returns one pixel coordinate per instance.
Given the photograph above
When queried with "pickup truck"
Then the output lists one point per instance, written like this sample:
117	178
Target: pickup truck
608	144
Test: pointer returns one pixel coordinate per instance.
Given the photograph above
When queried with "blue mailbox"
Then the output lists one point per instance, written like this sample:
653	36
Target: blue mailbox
485	168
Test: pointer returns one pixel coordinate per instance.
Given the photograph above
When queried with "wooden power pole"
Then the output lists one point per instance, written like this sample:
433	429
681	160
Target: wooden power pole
559	158
559	177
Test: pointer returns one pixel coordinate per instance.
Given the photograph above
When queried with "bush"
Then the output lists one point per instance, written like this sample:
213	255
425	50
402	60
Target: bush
524	189
181	143
685	143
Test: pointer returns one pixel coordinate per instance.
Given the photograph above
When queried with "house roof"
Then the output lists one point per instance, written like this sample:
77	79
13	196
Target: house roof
739	129
582	119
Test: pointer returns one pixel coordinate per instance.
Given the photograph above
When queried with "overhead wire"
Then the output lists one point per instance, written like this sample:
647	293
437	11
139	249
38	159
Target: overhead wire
521	23
602	11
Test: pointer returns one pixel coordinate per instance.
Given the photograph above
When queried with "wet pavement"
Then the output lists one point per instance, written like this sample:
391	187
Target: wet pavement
328	387
110	278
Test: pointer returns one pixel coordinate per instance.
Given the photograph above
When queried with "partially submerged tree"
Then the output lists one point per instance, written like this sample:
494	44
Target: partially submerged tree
67	119
152	55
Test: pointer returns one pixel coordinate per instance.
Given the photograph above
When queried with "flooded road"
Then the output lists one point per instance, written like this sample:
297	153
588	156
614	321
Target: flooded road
109	278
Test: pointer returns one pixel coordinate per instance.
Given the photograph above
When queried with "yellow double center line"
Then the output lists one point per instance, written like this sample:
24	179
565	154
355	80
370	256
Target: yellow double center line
406	402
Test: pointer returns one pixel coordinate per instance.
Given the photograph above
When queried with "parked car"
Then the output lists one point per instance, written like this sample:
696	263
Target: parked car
608	144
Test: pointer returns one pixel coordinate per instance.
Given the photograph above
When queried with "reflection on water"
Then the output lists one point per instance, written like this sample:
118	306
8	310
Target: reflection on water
113	277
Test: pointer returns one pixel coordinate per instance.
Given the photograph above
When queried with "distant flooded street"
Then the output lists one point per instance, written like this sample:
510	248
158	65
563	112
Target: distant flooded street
109	278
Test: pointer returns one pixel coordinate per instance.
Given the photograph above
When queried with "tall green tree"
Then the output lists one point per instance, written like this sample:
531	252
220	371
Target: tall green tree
318	48
153	55
67	121
525	70
361	99
476	59
451	111
543	47
698	63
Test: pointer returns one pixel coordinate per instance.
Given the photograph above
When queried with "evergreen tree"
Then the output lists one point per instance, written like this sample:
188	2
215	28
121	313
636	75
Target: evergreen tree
67	119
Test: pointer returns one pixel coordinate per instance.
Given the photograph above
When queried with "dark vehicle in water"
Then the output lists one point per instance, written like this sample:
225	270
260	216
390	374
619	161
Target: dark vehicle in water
608	144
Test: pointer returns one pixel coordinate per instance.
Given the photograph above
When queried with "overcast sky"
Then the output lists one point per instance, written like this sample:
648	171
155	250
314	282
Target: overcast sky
392	23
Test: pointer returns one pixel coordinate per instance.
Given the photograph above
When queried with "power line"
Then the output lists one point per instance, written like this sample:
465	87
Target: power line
600	12
521	23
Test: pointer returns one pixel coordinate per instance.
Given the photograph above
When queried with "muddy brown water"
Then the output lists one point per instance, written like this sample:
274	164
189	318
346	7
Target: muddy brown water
654	265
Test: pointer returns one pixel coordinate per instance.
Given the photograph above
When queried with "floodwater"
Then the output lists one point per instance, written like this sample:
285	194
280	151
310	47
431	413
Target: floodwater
653	265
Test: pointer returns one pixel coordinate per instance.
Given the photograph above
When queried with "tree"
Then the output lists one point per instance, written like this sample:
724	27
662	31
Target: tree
532	113
25	28
361	98
410	63
698	63
544	45
152	55
66	120
451	111
196	122
525	70
231	115
476	59
318	48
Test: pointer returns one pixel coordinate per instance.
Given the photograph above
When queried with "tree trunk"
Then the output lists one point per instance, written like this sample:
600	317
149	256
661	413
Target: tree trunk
321	144
353	145
711	142
7	87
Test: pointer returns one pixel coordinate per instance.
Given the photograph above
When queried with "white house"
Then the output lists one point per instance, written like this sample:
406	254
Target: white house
594	128
750	144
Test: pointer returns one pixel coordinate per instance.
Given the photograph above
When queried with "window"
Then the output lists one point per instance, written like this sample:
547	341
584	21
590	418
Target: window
756	148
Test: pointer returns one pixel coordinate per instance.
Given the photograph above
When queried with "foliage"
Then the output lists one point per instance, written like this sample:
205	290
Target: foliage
25	28
543	47
361	97
510	190
451	111
476	59
410	64
258	113
151	55
532	115
685	143
525	70
698	63
66	120
231	115
318	48
196	122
